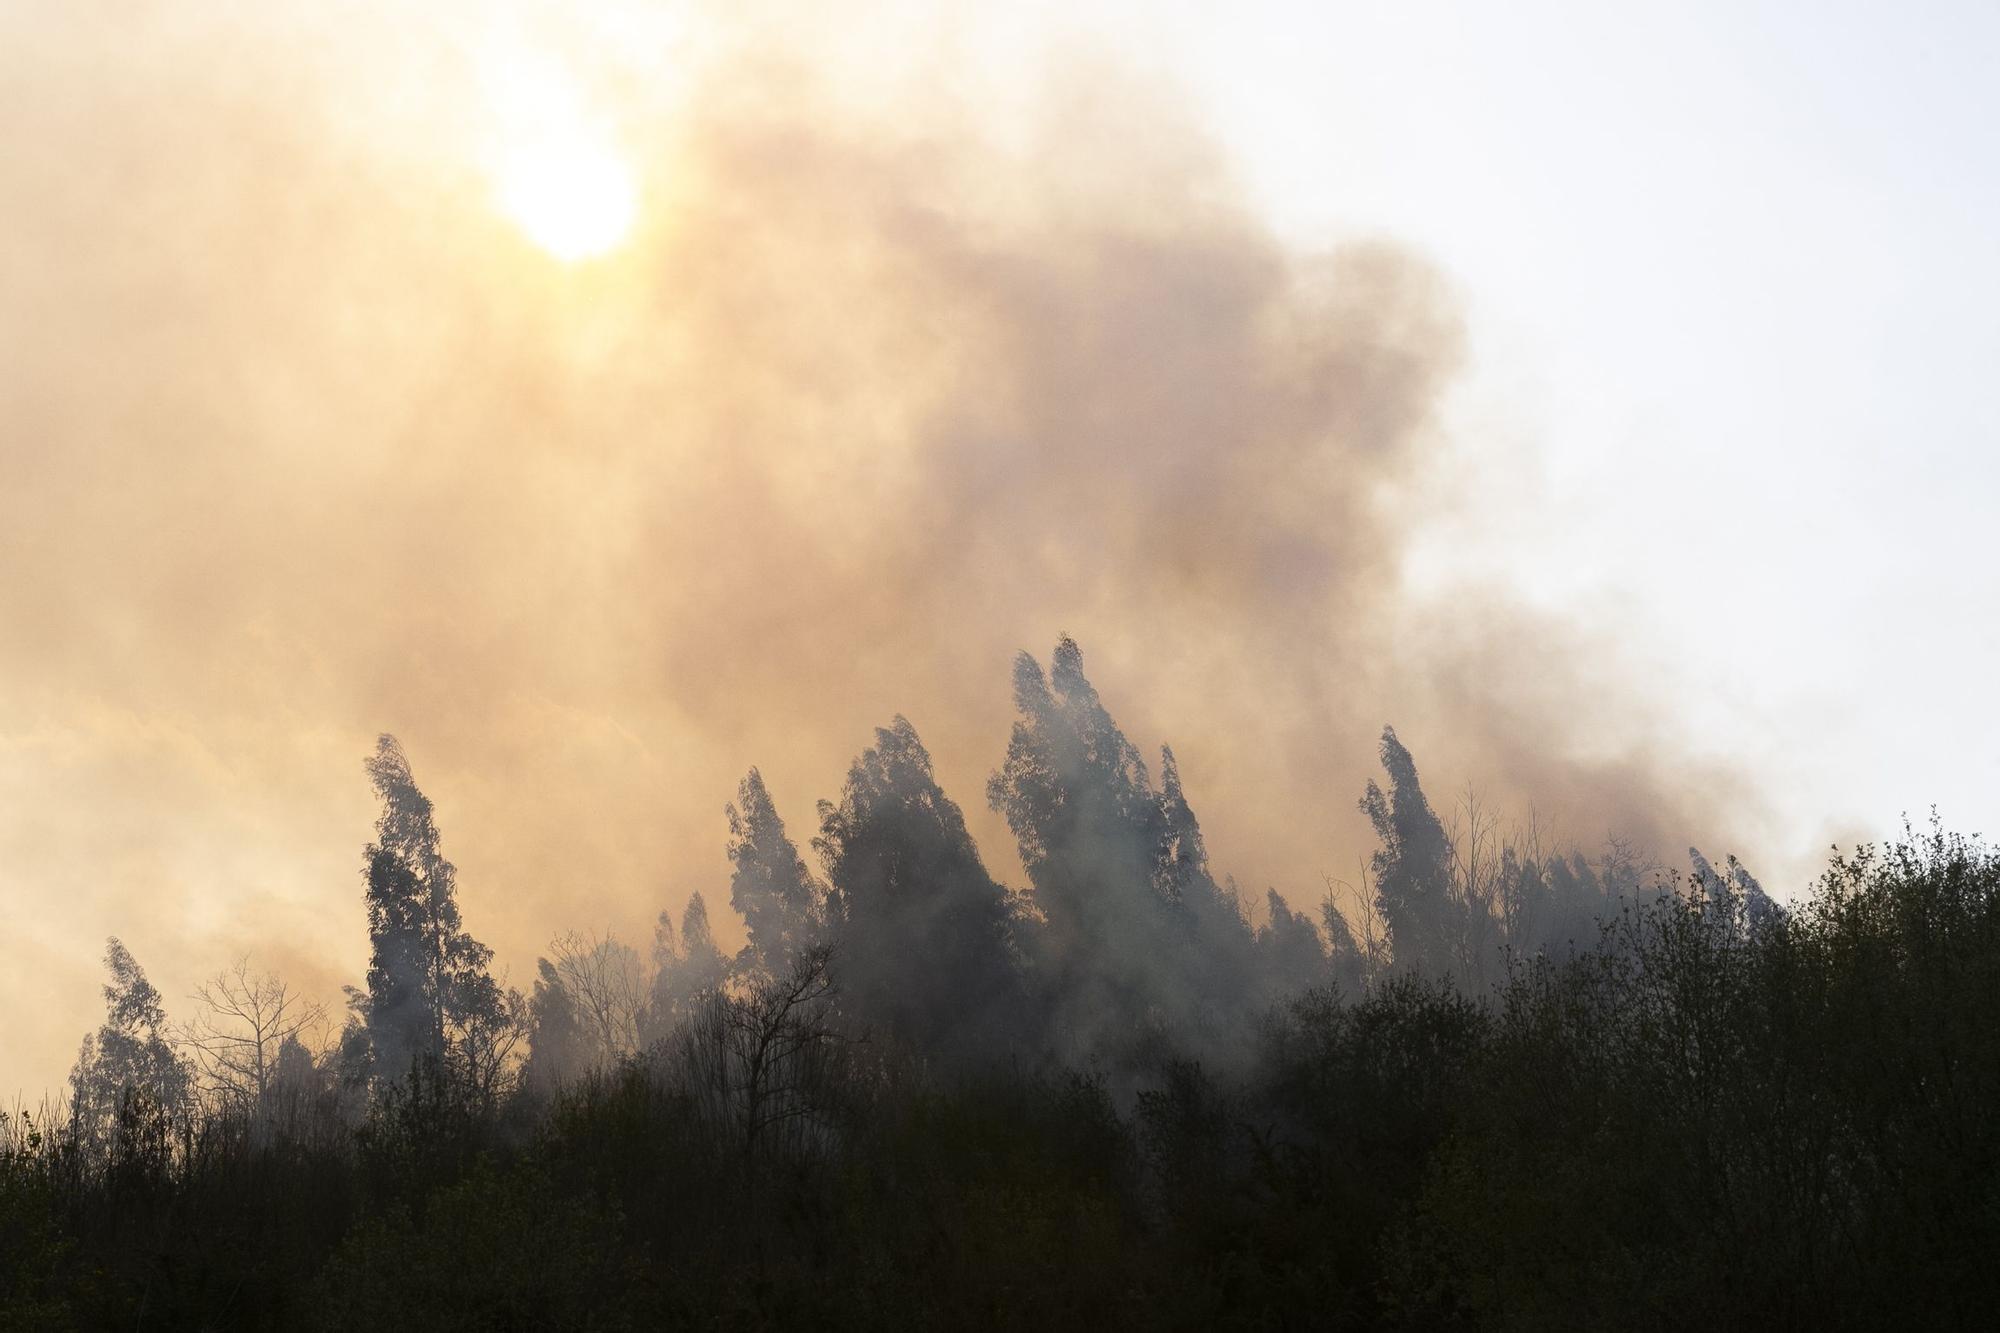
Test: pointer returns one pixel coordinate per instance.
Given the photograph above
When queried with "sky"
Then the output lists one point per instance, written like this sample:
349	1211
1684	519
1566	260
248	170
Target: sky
1734	263
1601	395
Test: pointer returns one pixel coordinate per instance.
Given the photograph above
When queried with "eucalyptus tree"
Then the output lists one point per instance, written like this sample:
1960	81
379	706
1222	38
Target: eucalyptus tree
430	996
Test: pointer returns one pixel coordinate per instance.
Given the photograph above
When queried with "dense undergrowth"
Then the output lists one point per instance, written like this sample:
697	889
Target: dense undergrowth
1712	1120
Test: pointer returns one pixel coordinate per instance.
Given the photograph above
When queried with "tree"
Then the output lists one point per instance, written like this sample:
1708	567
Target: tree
353	1052
558	1046
703	962
1089	828
761	1061
608	989
430	997
1732	897
127	1074
1221	957
781	903
304	1094
923	934
244	1020
1413	868
1358	951
1291	954
1138	937
686	969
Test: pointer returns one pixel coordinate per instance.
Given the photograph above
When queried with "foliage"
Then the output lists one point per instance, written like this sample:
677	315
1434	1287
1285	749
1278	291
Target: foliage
1717	1117
782	904
430	996
926	953
1519	1088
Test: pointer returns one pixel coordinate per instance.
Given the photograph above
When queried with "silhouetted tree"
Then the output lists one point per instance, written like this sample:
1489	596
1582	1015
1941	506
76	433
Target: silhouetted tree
304	1100
924	948
1413	869
128	1070
781	903
1091	830
608	988
430	996
354	1052
1551	904
559	1049
761	1061
1217	945
244	1021
1732	896
1291	955
685	969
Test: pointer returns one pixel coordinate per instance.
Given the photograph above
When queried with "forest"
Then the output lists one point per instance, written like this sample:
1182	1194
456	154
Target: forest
1497	1084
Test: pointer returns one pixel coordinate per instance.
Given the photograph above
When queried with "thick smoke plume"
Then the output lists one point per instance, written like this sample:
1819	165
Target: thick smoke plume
302	442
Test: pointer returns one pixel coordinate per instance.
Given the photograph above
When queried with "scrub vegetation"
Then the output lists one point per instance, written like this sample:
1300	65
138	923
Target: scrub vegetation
1497	1085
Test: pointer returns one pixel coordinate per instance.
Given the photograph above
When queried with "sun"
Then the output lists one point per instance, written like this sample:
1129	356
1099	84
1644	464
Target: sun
571	194
553	154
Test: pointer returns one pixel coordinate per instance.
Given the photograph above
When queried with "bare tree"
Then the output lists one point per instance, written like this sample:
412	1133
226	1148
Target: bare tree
607	984
1361	922
762	1059
487	1041
244	1019
1478	856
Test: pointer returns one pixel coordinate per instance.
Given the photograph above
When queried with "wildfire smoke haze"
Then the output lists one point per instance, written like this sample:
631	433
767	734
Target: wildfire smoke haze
864	386
1102	665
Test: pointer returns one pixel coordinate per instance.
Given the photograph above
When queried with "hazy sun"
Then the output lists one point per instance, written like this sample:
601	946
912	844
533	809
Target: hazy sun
553	157
573	197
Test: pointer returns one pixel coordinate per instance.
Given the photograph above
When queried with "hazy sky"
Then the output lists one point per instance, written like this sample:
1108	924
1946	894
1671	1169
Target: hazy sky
1731	271
1599	393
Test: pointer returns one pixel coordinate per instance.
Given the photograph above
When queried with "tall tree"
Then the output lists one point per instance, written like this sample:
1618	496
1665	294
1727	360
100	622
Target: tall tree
1076	795
1576	903
1291	954
1138	935
1732	897
701	959
923	947
558	1044
782	904
686	968
1413	868
1222	960
430	996
128	1066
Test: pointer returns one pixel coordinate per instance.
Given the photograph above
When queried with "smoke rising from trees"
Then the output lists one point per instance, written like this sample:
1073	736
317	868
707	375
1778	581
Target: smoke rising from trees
308	444
1102	1094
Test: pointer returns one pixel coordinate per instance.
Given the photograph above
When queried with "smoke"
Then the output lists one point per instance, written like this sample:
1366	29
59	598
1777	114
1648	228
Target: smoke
304	442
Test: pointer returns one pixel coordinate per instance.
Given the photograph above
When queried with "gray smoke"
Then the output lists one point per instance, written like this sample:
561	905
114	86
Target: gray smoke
303	443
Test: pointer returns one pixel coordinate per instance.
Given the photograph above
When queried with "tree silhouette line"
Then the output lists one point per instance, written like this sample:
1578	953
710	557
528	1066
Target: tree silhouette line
1496	1085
